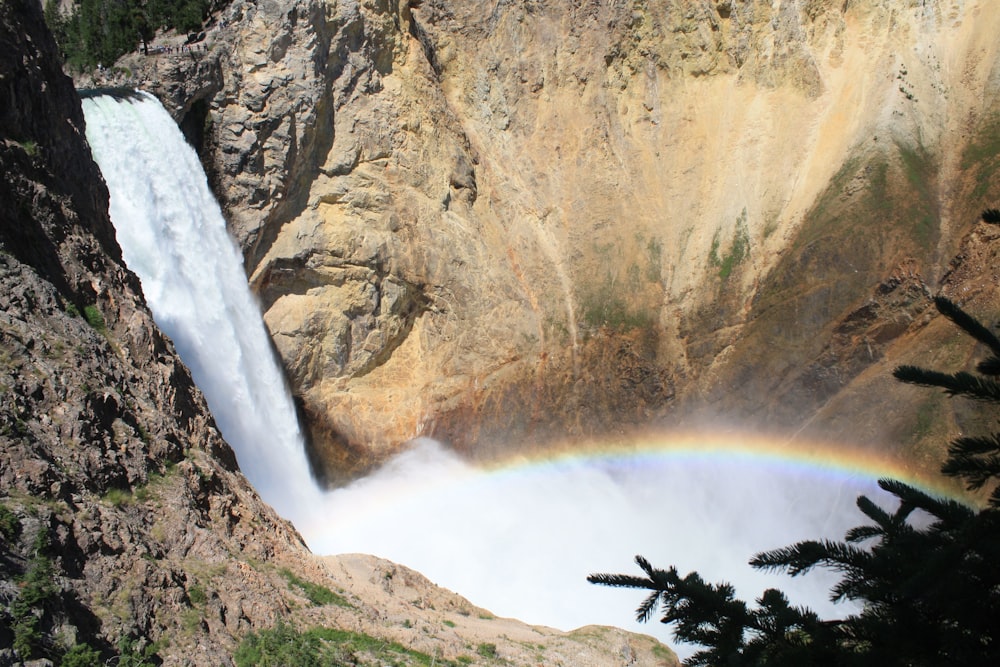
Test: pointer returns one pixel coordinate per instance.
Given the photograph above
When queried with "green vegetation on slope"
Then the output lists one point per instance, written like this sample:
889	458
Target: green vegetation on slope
619	296
317	594
38	591
878	212
285	646
739	248
981	157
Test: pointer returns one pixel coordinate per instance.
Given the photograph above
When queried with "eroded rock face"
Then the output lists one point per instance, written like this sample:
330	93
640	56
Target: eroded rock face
456	212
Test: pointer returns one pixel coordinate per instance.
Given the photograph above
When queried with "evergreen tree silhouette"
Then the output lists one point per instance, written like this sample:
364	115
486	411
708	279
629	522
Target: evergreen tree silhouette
929	590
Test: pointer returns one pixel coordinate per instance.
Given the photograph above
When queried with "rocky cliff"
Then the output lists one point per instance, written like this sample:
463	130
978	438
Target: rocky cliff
119	498
127	532
512	222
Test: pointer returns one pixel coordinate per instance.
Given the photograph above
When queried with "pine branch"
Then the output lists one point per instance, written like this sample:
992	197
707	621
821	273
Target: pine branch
803	556
775	617
701	659
902	490
977	471
974	458
862	533
849	588
921	376
648	607
646	566
975	445
991	216
967	323
951	512
994	501
875	513
957	384
621	581
989	366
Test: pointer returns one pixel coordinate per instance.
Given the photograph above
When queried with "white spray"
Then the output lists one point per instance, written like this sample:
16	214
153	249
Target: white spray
518	544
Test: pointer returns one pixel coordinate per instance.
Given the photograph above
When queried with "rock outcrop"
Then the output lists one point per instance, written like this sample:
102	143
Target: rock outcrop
492	222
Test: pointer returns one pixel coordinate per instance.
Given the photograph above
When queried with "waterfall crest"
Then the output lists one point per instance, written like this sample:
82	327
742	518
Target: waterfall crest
173	236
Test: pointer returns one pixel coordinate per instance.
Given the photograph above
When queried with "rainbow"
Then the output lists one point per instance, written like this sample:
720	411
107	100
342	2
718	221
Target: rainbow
699	448
425	473
519	534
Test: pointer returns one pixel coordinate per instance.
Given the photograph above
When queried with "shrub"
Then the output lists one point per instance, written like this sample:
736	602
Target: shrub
81	655
487	650
38	590
196	594
130	655
317	594
118	497
94	318
325	647
281	645
10	525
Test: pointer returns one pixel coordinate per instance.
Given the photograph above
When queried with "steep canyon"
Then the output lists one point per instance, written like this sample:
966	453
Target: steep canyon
510	223
506	224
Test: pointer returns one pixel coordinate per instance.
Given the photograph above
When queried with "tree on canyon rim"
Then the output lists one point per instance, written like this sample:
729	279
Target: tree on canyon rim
929	590
90	32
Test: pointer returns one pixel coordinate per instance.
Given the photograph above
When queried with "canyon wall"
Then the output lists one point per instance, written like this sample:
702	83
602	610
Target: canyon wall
509	223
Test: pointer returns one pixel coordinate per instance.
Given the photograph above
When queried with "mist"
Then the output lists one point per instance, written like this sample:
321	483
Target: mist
521	540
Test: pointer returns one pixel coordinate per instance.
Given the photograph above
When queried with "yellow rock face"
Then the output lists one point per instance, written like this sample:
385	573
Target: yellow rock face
510	222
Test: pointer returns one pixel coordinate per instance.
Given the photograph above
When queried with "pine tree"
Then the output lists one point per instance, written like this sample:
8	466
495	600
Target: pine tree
929	592
92	32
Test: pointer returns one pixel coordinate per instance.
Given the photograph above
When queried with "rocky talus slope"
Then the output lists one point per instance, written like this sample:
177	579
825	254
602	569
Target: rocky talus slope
125	523
512	222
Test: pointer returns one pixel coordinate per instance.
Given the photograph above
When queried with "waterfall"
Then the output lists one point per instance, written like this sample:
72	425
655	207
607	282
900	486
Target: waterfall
520	541
173	236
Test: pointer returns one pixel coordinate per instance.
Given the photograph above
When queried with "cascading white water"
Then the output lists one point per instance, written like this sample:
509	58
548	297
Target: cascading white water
173	236
519	544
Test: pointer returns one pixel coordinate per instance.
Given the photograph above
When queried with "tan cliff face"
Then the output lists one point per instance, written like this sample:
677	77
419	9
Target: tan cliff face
510	222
